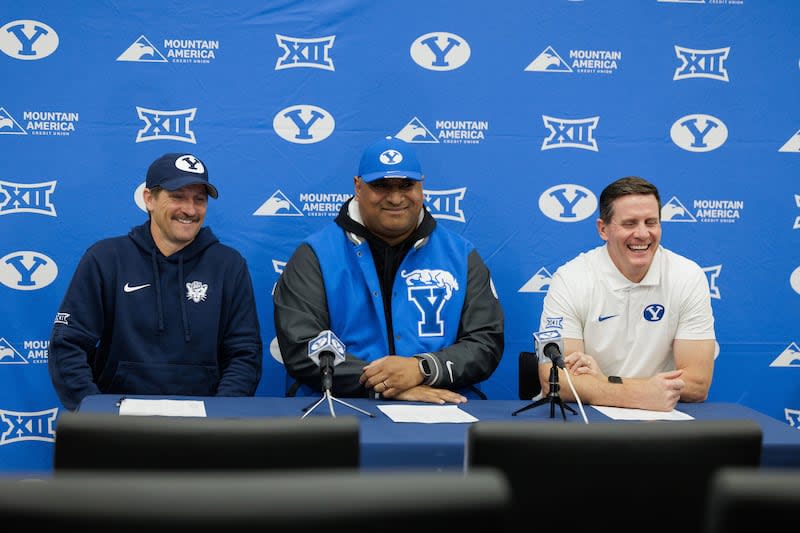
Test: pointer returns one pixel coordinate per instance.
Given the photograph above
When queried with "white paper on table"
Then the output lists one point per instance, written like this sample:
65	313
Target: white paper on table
427	414
623	413
132	406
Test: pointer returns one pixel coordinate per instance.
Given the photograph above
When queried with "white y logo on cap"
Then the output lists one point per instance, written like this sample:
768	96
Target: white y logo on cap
189	163
390	157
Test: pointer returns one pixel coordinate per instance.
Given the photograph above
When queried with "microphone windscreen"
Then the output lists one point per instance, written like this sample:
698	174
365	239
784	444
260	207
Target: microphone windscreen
326	342
542	339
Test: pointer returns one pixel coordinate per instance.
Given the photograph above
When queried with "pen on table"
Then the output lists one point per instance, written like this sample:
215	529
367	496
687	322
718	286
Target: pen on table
119	402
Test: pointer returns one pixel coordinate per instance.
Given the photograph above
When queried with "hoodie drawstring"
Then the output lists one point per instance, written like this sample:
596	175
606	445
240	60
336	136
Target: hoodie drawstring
187	333
158	290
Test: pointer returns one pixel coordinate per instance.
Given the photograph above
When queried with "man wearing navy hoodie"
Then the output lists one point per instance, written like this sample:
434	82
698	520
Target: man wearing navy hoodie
164	310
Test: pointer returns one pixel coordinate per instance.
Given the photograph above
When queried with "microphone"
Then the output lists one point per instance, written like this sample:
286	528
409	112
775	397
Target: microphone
327	351
549	345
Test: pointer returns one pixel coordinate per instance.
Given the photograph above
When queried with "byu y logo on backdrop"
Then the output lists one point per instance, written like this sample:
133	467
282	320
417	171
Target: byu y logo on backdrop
303	124
27	270
440	51
567	203
570	133
162	125
305	53
699	133
794	280
28	39
697	63
27	198
445	204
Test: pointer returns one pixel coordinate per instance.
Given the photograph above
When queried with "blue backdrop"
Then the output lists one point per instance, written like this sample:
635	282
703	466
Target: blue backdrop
521	110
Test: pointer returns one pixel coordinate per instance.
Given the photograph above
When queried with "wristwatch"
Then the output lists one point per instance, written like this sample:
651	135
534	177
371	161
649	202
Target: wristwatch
424	367
614	379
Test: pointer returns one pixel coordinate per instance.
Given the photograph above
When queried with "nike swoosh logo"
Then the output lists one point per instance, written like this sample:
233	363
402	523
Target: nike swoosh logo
128	288
450	370
601	317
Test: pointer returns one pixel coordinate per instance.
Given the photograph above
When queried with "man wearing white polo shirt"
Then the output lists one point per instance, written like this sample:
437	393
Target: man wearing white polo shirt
636	318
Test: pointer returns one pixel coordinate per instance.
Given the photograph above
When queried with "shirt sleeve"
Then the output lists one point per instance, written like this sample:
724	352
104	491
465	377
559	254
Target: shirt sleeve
75	334
241	358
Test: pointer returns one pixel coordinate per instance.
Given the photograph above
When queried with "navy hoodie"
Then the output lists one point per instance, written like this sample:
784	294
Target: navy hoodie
136	322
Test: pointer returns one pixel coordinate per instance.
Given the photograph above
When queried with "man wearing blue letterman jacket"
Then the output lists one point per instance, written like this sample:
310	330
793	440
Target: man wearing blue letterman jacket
166	309
413	302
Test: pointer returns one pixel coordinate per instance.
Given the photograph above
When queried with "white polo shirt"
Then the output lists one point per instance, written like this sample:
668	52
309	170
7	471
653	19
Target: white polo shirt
629	327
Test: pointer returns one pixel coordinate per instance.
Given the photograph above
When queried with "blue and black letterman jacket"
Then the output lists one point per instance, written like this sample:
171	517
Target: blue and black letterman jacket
441	306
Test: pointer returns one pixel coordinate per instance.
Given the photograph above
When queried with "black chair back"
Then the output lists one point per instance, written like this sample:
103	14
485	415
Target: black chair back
585	472
301	501
744	499
86	441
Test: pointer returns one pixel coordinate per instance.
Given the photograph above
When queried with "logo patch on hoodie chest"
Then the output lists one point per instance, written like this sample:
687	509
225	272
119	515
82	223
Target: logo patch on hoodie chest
196	291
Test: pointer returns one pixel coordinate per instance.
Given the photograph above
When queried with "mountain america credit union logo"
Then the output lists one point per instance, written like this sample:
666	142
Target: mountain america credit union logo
166	125
567	203
440	51
27	270
699	133
28	39
303	124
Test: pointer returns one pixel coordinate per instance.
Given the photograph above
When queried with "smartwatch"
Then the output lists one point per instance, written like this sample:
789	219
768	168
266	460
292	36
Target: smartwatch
614	379
424	367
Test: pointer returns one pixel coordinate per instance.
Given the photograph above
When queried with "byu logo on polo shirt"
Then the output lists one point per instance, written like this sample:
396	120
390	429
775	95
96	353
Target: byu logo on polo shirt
28	39
653	312
440	50
429	290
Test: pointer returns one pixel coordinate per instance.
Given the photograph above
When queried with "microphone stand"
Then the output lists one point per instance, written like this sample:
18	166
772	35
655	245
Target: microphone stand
326	395
553	397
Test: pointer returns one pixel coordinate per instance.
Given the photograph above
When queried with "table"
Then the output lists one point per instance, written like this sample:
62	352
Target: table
389	445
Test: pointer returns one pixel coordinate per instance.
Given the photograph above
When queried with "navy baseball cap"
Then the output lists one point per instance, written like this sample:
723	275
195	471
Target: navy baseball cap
176	170
389	158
